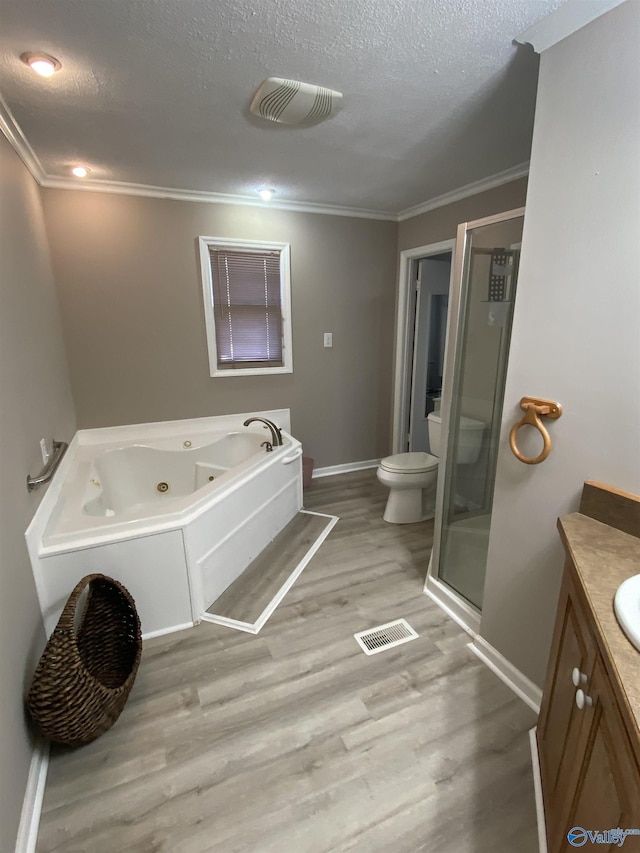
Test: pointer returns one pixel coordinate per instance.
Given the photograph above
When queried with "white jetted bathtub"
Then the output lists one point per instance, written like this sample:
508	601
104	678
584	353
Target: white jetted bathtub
175	511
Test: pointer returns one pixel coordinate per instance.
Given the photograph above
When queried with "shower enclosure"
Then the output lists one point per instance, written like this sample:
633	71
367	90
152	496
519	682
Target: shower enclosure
478	337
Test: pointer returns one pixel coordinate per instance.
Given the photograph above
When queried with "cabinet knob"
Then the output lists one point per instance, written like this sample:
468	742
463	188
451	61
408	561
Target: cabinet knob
582	699
578	677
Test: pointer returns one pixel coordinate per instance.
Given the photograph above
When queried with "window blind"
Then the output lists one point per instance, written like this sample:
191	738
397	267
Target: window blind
247	306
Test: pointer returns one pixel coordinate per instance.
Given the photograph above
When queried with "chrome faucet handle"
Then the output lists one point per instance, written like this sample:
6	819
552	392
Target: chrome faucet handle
268	445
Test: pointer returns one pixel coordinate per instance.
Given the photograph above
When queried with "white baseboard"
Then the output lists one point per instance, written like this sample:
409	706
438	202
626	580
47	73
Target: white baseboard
462	613
236	624
537	787
330	470
33	797
507	672
171	630
469	619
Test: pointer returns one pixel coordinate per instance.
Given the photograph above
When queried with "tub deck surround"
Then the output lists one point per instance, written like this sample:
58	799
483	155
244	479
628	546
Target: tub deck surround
136	503
60	516
162	483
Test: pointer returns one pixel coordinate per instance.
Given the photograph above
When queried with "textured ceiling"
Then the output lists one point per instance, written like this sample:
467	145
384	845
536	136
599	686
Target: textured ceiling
157	92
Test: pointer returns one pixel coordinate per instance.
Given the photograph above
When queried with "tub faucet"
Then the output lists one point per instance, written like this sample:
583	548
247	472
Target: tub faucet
276	434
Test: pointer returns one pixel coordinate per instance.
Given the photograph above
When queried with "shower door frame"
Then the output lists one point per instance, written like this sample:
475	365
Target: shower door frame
461	611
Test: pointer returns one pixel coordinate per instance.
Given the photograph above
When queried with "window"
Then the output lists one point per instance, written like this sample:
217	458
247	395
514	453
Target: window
247	301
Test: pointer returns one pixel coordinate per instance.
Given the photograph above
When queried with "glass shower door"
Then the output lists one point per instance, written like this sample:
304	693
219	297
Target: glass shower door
488	261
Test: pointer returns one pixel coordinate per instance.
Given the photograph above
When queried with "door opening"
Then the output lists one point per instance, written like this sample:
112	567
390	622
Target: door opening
424	285
430	330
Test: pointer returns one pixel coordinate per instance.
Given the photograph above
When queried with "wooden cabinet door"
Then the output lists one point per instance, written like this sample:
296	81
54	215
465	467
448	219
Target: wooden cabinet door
560	723
607	795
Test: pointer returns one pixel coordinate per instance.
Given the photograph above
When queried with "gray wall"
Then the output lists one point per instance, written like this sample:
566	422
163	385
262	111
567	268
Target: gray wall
442	223
127	275
576	330
35	403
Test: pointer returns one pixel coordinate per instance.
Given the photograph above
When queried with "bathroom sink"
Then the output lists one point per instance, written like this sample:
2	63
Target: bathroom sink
627	608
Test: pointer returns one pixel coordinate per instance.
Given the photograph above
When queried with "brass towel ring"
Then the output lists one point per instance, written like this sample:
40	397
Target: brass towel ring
534	409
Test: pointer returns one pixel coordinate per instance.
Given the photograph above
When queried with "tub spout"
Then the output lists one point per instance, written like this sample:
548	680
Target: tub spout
276	434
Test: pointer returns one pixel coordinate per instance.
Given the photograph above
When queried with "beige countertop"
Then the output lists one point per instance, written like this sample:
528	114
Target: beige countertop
603	558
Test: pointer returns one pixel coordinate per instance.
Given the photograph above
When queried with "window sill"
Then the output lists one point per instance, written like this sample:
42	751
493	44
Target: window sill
251	371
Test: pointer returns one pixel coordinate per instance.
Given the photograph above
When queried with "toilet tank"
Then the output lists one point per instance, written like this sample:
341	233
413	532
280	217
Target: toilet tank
434	425
470	437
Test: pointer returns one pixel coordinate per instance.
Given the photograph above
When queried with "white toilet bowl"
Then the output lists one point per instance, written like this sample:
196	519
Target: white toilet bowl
411	479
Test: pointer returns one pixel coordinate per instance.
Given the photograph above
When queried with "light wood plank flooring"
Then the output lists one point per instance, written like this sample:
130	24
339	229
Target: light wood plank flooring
294	741
250	594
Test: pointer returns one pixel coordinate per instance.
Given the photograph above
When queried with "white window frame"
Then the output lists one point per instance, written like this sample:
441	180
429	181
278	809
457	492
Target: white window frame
285	300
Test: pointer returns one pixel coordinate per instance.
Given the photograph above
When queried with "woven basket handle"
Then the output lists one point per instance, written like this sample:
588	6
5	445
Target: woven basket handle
67	617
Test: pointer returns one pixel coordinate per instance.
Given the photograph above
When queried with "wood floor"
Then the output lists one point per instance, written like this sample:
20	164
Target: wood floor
295	741
250	594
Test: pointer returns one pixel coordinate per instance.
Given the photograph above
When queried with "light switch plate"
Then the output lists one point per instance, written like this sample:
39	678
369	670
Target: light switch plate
328	339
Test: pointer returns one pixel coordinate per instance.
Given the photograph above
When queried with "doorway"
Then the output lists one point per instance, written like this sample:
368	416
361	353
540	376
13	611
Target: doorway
425	281
430	333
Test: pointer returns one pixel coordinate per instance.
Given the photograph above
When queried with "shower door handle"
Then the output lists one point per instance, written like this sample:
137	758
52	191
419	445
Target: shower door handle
534	409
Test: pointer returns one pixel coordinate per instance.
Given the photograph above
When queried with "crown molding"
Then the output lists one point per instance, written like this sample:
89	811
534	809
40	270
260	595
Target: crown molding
147	191
566	20
489	183
12	130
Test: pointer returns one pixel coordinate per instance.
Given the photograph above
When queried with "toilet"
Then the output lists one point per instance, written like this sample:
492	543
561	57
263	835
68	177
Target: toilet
411	477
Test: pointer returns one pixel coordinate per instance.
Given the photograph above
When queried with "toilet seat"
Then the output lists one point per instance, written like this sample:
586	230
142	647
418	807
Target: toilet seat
411	479
409	463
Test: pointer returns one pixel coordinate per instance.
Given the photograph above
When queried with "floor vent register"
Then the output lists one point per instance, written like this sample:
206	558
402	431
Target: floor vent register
386	636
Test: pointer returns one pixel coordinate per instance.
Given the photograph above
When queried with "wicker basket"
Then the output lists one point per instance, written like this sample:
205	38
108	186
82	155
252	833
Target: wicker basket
85	674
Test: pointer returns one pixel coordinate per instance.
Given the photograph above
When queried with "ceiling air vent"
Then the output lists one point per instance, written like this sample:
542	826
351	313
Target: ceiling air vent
293	102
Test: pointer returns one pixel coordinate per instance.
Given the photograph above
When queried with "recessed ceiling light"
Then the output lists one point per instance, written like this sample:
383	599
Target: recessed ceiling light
80	171
41	63
266	194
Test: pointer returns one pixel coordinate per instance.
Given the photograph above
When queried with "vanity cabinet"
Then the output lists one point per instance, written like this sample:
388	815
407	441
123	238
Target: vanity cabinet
588	736
608	793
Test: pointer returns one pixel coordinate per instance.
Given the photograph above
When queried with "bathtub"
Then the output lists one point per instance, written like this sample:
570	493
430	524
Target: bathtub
175	511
